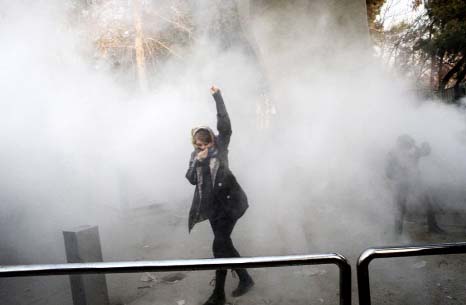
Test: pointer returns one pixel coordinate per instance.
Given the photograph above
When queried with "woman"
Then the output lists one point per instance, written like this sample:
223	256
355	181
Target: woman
218	197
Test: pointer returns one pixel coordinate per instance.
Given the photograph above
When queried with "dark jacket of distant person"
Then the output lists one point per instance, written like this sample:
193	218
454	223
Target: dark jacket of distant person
403	162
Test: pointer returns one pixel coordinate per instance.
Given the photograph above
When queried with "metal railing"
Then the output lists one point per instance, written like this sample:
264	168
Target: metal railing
401	251
192	264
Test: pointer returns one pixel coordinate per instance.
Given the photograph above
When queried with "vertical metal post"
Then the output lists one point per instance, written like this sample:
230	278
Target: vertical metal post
83	245
345	281
364	291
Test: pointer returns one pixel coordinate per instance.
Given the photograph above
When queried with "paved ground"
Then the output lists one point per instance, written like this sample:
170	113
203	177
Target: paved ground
418	280
421	280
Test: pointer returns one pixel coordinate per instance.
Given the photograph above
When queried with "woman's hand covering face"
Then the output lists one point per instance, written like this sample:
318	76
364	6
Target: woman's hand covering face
203	154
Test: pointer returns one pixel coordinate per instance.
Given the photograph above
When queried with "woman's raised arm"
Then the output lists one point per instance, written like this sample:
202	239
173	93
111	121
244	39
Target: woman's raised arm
223	120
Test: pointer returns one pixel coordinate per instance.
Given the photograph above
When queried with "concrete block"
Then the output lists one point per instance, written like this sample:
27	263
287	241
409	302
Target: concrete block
82	245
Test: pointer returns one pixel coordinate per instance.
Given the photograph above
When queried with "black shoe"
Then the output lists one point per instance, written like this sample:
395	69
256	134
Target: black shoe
216	299
435	229
243	288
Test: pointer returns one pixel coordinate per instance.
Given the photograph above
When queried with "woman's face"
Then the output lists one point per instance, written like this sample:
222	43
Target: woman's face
200	145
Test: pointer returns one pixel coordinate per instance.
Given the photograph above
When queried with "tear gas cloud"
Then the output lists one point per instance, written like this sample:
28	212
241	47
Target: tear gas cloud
78	136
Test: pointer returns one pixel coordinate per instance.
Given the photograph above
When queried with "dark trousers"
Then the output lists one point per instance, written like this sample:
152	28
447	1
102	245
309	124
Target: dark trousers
223	247
401	198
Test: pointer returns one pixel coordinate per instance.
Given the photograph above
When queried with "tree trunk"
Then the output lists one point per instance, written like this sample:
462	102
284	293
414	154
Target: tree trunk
459	78
439	67
433	85
139	47
444	82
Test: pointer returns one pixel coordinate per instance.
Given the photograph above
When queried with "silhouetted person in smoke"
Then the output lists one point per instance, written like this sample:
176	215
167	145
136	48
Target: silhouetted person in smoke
221	22
218	197
403	171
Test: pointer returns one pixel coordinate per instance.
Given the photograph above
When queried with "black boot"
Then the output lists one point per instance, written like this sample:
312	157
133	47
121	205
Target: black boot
434	228
245	283
432	225
217	298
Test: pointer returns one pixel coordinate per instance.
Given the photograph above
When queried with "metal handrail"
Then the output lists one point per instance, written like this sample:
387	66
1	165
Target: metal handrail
191	264
399	251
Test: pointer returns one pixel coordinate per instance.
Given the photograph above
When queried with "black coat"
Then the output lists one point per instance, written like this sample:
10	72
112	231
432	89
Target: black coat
225	198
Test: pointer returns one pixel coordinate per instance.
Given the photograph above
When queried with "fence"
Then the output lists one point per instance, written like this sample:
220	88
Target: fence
402	251
194	264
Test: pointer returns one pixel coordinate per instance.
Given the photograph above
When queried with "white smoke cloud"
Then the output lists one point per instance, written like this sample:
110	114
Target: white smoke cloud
76	136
